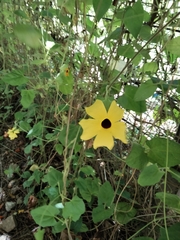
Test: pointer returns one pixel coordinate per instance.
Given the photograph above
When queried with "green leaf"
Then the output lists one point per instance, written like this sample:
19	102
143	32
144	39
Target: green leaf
100	213
37	130
52	193
65	80
39	234
58	227
28	149
93	49
101	7
45	215
166	86
19	115
88	187
173	232
137	157
27	97
127	100
59	148
69	6
145	32
73	209
28	34
115	34
78	226
63	18
124	212
72	134
126	51
21	13
171	200
150	175
173	46
54	178
133	18
175	174
65	85
37	175
150	67
159	147
145	91
15	78
88	170
90	27
106	194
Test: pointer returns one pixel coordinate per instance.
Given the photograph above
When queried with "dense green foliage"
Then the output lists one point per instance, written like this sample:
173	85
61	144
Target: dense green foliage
58	57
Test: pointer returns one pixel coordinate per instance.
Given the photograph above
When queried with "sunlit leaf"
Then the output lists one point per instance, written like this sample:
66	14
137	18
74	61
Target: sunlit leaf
150	67
173	46
65	80
28	34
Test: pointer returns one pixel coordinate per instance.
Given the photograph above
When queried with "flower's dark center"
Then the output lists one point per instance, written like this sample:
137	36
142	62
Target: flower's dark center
106	123
66	72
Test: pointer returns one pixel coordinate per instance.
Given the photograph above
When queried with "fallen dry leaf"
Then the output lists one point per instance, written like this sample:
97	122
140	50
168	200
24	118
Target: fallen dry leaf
32	201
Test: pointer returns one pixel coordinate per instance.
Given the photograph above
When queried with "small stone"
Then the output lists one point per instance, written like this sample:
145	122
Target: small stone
19	200
14	190
2	195
9	206
8	224
11	183
4	237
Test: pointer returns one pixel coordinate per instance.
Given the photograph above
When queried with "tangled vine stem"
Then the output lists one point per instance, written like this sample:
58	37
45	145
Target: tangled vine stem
151	38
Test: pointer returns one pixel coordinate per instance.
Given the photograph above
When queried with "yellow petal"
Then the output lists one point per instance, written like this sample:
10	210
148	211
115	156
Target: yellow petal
97	110
104	139
12	135
115	113
118	131
91	127
17	131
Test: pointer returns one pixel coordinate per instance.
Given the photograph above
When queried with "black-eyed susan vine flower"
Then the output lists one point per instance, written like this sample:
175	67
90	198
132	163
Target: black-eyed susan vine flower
104	125
12	133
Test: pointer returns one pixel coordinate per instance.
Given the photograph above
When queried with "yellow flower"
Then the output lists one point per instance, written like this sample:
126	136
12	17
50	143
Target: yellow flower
12	133
104	125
